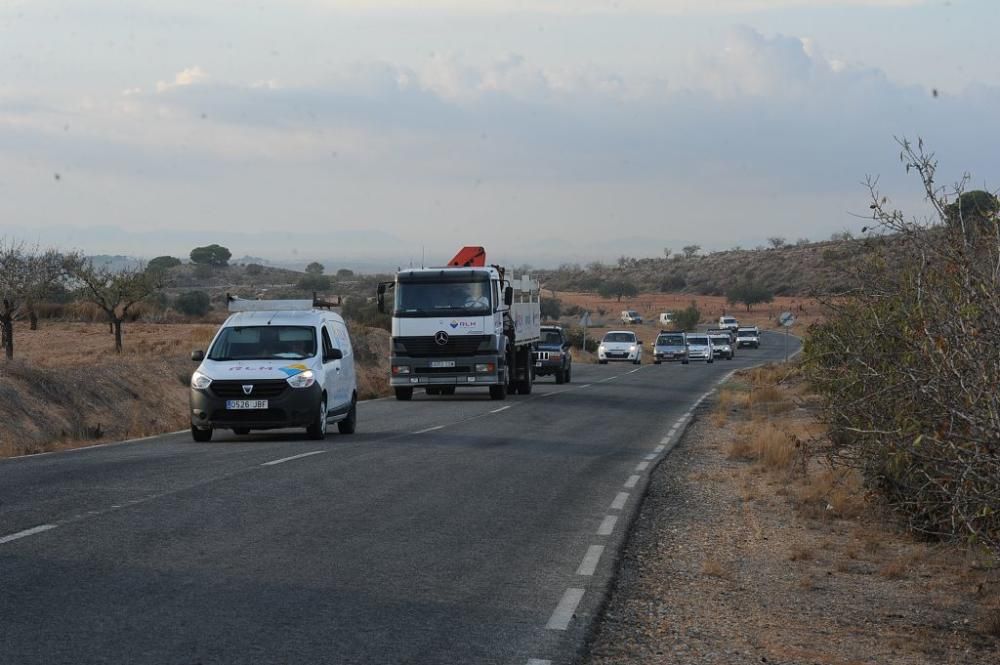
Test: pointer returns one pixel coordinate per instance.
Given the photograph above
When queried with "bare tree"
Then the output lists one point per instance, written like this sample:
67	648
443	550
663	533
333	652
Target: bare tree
25	274
116	291
776	242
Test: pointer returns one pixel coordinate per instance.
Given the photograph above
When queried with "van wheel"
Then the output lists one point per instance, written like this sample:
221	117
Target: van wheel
685	361
432	391
317	430
498	392
448	390
350	423
404	394
241	431
201	435
602	362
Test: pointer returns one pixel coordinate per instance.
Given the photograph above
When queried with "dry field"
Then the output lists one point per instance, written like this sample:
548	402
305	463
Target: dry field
68	388
750	548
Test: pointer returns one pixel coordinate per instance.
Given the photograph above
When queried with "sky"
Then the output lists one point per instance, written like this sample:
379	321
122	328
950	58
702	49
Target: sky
372	133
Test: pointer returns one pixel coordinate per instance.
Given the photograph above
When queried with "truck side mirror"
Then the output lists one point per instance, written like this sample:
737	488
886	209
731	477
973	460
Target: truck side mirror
380	298
508	296
198	355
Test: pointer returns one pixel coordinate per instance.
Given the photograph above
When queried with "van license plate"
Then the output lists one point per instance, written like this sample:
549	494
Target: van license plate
442	363
245	404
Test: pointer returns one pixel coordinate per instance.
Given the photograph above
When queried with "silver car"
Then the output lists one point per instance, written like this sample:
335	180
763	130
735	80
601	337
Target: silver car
670	346
700	348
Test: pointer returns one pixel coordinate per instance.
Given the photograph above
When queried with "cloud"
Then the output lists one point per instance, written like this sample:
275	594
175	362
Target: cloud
185	77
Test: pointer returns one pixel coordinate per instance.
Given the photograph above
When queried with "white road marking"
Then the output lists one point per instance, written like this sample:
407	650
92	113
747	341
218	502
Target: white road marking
650	457
27	532
607	525
586	385
665	440
641	466
590	560
293	457
502	408
565	610
633	371
539	661
632	480
429	429
619	501
659	449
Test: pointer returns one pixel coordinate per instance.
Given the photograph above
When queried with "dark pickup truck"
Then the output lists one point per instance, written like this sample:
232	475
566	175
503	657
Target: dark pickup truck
552	355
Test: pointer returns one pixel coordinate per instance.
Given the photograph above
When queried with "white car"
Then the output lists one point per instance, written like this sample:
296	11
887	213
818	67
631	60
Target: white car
700	347
630	316
620	345
728	322
275	364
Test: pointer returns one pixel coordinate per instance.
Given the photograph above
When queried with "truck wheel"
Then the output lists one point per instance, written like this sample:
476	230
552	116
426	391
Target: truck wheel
241	431
524	387
404	394
432	391
448	390
317	430
498	392
685	361
350	423
602	362
657	362
201	435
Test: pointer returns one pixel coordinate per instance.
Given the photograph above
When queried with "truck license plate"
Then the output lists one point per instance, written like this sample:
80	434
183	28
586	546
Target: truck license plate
435	364
246	404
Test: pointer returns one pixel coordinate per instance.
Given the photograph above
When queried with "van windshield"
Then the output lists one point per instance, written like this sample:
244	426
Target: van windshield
264	343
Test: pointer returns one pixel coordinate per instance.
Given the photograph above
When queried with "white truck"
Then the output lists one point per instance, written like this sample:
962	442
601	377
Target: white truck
464	325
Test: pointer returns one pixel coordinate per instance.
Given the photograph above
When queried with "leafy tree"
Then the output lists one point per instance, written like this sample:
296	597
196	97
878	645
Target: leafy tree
25	275
254	269
617	288
315	268
193	303
216	256
673	283
690	251
776	242
314	282
551	308
115	291
163	263
749	293
975	212
687	318
345	273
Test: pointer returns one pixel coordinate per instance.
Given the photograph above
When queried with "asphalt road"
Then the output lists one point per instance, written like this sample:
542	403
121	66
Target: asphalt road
447	530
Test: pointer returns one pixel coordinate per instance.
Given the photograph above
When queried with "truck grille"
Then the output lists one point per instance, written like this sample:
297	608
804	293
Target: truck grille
262	389
443	370
426	347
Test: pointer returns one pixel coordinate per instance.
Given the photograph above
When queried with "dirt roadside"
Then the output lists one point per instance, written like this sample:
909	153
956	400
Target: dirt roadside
748	549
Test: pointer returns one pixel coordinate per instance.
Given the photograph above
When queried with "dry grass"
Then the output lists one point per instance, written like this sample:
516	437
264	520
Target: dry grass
800	553
895	569
832	493
989	620
713	568
765	443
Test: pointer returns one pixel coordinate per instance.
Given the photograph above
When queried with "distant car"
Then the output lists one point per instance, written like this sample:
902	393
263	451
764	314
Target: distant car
728	322
722	346
630	316
552	357
666	318
670	346
699	347
728	332
748	337
620	345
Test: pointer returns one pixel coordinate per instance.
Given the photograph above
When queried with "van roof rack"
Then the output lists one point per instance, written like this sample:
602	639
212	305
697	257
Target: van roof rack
237	304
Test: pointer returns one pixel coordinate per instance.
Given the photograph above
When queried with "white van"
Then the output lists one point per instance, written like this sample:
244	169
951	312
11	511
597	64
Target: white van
275	364
666	318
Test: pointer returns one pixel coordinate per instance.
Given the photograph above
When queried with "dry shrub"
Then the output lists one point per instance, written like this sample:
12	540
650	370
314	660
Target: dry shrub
832	493
763	442
800	553
731	398
895	569
989	621
713	568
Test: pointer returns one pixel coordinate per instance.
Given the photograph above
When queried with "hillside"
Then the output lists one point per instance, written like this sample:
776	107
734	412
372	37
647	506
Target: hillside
793	270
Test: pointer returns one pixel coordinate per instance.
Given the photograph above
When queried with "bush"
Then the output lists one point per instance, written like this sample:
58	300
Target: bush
193	303
254	269
314	282
162	263
551	309
211	255
363	312
687	318
575	338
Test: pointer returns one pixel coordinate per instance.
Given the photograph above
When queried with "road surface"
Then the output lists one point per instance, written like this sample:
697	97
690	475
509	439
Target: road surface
447	530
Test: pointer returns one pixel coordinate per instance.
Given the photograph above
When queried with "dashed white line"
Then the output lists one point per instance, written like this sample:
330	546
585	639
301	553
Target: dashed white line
586	385
660	448
632	480
641	466
27	532
293	457
633	371
650	457
619	501
502	408
607	525
564	611
590	560
429	429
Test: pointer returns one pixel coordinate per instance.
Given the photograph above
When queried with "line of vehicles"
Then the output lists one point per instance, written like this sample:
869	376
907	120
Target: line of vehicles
290	363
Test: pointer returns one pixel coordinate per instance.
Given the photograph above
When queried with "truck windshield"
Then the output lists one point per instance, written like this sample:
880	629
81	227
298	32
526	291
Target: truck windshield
264	343
434	298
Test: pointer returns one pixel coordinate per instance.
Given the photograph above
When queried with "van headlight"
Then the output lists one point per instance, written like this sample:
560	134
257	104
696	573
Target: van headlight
631	349
199	381
302	379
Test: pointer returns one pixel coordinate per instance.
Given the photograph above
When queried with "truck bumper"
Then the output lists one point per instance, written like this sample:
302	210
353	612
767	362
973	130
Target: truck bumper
482	370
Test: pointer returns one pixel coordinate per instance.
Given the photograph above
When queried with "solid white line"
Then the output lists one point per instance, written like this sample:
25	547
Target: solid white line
429	429
293	457
27	532
590	560
659	449
619	501
607	525
502	408
539	661
641	466
650	457
632	480
665	440
564	611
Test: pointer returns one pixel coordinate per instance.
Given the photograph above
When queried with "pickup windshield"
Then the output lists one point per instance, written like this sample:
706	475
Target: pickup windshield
443	298
264	343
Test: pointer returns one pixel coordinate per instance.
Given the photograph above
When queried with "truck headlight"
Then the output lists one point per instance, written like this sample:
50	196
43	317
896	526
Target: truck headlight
302	379
200	381
485	368
400	369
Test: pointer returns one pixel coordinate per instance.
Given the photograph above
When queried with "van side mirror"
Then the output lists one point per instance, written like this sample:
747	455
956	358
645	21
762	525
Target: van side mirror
333	354
198	355
508	296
